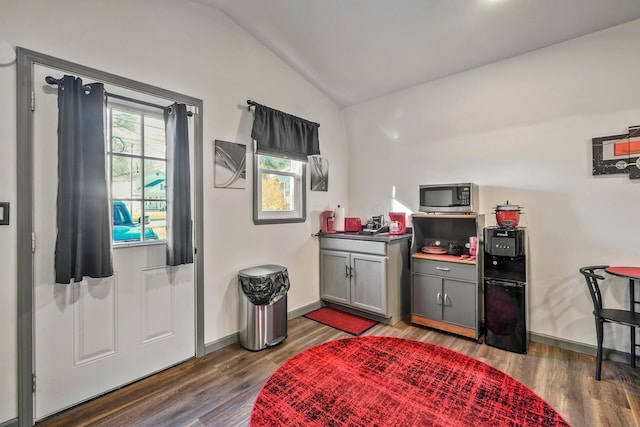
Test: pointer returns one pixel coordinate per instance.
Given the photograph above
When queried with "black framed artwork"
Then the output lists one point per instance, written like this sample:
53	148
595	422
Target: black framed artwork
617	154
319	173
230	164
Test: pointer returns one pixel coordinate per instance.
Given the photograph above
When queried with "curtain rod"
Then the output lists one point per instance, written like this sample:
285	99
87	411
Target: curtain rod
253	104
53	81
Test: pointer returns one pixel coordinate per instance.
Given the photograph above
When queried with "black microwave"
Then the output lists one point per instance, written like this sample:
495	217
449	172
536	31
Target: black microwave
449	198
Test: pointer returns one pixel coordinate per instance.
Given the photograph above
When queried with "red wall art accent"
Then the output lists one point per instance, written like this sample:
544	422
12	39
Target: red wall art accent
617	154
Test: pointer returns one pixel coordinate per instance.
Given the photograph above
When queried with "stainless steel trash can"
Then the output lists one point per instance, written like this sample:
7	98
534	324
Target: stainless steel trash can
263	306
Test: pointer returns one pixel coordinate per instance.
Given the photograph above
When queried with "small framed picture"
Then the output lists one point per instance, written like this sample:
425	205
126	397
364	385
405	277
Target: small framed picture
230	164
319	173
617	154
4	213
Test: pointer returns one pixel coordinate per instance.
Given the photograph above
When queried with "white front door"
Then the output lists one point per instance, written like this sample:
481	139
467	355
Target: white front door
97	335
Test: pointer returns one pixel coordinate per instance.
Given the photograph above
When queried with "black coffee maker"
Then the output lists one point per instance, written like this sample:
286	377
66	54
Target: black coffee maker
505	284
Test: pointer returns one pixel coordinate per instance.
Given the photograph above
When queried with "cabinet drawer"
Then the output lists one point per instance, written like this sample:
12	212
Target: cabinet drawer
349	245
445	269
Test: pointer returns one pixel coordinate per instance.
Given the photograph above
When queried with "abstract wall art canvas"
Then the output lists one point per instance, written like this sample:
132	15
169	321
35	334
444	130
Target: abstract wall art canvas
230	164
617	154
319	173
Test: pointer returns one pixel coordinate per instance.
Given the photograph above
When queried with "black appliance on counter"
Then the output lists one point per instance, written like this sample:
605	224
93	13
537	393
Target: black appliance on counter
505	284
374	225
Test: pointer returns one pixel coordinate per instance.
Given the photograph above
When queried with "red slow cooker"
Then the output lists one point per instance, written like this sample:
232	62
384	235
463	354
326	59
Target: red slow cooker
508	215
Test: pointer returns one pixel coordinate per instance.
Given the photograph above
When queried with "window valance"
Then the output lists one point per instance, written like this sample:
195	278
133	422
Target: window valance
281	134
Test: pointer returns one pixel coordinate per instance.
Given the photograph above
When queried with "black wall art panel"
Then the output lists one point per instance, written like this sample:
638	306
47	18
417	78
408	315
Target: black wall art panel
617	154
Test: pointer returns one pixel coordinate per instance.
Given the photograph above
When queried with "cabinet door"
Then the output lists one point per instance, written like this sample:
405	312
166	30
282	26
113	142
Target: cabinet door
369	283
334	276
459	303
427	296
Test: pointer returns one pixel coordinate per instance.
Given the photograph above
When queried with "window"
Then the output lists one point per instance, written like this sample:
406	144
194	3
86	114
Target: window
137	167
279	190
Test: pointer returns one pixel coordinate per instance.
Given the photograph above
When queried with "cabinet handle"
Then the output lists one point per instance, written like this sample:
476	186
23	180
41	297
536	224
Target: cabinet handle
443	268
439	299
350	271
346	271
446	298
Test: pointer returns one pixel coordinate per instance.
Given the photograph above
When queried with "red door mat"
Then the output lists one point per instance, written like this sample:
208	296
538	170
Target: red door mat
350	323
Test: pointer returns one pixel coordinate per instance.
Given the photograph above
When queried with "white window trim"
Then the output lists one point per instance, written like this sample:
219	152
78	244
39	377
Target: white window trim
269	217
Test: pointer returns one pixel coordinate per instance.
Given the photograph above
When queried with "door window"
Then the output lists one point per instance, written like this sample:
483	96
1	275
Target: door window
137	170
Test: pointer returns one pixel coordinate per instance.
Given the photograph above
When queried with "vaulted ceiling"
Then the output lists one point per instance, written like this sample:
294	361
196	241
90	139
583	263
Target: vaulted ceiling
357	50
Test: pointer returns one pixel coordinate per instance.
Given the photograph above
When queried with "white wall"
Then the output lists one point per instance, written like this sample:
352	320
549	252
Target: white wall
8	285
195	50
522	130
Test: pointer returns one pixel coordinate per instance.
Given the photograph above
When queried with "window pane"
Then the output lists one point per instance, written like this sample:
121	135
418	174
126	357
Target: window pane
136	211
154	138
126	176
279	196
121	213
154	179
125	135
275	163
277	192
125	225
156	213
136	214
136	180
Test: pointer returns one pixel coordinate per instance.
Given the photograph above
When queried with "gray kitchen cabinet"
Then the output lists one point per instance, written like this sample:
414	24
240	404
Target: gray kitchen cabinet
354	279
368	282
459	303
446	290
426	295
335	284
443	298
368	277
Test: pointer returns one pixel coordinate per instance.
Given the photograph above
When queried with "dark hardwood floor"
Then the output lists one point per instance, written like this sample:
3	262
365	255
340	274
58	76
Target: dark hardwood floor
219	389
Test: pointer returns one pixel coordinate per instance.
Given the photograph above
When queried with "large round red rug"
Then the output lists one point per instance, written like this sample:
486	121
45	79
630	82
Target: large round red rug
385	381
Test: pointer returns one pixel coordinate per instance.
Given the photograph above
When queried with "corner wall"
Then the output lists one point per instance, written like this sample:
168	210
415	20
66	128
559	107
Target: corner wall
521	129
192	49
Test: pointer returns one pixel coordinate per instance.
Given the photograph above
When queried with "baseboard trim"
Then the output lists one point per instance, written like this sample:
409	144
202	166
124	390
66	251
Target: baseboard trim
220	343
578	347
233	338
299	312
10	423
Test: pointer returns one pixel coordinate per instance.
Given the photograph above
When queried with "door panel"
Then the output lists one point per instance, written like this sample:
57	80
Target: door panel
427	296
334	276
368	283
459	305
95	330
100	334
157	305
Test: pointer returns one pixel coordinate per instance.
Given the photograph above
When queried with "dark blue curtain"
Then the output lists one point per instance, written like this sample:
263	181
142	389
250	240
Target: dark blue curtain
83	243
281	134
179	228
